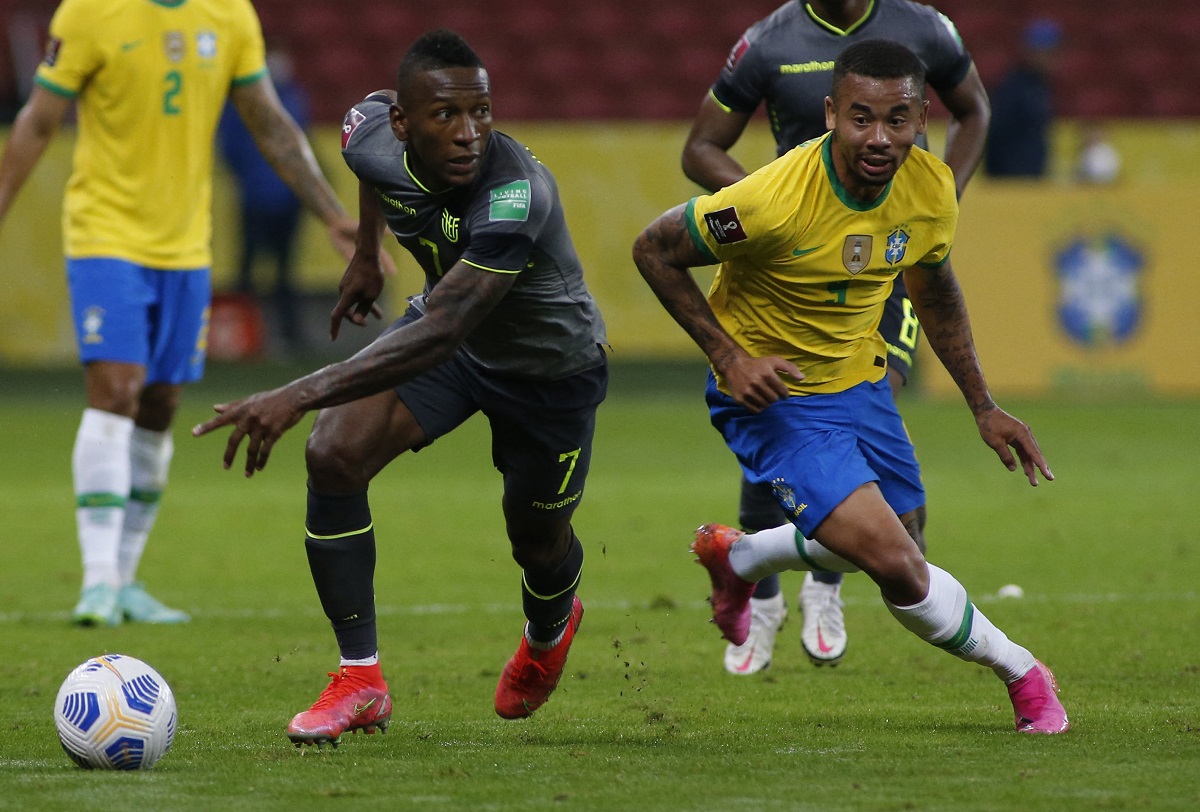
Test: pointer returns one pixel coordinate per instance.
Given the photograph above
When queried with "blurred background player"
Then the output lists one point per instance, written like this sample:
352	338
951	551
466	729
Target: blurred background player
786	61
269	211
150	80
1018	143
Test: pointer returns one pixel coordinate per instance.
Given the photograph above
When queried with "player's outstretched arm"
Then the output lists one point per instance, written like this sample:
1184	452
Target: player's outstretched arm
665	254
35	125
455	306
938	301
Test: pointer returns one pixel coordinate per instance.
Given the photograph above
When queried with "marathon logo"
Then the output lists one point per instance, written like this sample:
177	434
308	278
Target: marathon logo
725	226
350	124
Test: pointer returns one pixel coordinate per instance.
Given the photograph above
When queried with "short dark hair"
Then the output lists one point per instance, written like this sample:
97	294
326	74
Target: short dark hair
879	59
436	50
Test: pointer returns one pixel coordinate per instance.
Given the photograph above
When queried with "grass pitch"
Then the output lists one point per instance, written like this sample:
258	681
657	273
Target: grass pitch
645	718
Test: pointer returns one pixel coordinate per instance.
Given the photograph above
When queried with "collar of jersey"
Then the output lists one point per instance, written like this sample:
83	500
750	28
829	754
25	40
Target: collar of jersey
833	28
847	199
413	175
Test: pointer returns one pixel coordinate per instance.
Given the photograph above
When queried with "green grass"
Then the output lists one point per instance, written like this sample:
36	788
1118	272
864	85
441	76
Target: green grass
645	717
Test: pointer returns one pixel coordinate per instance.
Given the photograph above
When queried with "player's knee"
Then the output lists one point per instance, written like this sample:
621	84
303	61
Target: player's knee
538	544
331	469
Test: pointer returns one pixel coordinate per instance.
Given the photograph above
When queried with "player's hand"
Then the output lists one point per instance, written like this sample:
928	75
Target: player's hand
756	383
1002	431
360	286
262	418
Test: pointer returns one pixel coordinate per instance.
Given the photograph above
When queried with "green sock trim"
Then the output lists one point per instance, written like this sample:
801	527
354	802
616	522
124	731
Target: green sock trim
99	500
962	636
366	529
813	566
145	497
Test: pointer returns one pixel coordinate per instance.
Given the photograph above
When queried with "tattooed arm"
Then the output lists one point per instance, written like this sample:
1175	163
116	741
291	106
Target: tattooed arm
942	311
458	302
286	148
664	254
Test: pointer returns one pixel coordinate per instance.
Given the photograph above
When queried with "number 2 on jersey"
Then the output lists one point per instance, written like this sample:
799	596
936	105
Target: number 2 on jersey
174	82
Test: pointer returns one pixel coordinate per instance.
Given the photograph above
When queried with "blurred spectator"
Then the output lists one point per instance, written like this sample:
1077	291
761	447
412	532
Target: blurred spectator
1098	160
1023	108
270	211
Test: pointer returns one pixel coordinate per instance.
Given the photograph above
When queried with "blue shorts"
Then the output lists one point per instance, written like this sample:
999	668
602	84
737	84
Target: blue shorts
814	451
129	313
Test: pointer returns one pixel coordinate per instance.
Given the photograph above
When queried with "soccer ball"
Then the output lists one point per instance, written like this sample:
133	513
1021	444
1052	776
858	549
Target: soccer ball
115	713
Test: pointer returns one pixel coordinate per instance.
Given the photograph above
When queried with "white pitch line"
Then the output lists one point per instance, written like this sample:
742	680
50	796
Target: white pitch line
514	608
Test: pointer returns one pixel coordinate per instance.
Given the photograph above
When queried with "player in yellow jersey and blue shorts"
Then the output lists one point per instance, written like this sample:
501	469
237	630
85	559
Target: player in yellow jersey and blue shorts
783	63
808	248
149	79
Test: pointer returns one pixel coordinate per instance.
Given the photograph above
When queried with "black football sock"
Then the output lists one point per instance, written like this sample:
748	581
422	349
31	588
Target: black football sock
340	542
548	597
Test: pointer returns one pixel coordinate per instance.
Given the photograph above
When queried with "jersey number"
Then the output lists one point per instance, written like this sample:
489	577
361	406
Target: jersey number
174	81
573	456
910	327
437	259
838	289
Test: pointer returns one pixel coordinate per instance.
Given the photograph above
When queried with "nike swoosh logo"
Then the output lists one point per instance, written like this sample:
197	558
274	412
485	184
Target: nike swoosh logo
363	708
799	252
821	642
129	46
744	667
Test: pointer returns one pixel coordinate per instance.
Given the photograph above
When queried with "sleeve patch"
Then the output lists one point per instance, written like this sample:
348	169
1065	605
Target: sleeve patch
350	124
52	49
725	226
735	54
510	202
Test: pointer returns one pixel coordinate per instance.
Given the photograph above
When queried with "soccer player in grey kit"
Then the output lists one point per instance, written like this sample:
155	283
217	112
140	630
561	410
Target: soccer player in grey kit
505	326
786	61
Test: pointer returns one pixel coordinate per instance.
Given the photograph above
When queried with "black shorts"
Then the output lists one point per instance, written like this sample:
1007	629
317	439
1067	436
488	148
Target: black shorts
900	329
541	430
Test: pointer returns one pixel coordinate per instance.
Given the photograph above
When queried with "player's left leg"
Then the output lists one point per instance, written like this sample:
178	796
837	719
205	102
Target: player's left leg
542	444
177	326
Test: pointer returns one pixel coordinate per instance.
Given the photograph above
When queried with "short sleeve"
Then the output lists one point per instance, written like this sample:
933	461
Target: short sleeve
739	86
506	220
250	63
72	52
733	222
947	223
949	60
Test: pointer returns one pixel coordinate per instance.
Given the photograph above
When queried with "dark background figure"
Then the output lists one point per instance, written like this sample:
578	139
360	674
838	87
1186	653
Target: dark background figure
1023	108
269	211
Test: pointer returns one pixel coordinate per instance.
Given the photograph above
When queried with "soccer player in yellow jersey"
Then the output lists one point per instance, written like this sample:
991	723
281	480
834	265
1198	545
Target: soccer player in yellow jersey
149	78
808	248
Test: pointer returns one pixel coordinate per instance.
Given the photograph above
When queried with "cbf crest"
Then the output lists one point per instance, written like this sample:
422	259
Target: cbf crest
1100	301
856	252
897	245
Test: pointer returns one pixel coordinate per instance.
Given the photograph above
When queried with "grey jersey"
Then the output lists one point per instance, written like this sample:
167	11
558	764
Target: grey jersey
786	60
510	220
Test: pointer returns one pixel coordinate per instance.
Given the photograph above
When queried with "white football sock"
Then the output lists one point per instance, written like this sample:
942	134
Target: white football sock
948	620
372	660
100	466
150	456
757	555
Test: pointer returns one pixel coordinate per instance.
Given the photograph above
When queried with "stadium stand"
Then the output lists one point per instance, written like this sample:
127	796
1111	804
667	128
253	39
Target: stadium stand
617	59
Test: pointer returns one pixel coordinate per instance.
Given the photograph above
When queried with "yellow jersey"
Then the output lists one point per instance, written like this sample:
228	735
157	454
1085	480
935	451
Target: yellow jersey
805	268
151	78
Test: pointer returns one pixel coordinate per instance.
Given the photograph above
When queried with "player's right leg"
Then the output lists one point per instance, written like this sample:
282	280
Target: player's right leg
110	303
757	510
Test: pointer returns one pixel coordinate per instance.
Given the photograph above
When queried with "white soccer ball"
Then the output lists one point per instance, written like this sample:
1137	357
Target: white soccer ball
114	712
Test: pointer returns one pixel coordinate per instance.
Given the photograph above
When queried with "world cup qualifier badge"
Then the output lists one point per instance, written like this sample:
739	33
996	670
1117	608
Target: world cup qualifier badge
350	124
725	226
